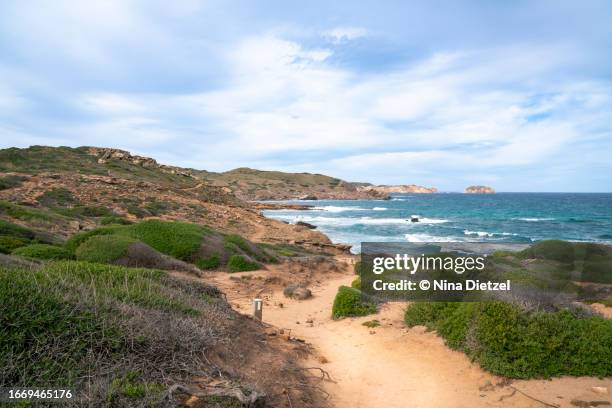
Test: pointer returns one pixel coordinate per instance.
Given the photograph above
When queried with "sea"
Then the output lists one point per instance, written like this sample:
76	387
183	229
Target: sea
456	217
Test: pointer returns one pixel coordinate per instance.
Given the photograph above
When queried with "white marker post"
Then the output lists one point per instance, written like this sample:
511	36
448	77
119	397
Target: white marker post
257	308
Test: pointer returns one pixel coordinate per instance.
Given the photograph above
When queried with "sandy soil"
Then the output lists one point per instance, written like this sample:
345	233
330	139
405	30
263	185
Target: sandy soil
391	365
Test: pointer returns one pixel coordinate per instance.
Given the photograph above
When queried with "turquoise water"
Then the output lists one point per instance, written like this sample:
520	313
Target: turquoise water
502	217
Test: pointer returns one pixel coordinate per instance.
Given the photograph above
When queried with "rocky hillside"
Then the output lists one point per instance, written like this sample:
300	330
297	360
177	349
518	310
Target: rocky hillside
60	191
254	185
479	190
402	188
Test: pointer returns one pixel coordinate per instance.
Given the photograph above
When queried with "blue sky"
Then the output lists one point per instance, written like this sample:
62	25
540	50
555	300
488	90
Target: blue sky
517	95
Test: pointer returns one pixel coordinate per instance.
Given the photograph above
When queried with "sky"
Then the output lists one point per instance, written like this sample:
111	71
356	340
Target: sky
512	94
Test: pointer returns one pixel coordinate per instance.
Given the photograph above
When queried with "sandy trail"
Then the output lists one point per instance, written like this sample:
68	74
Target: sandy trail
393	366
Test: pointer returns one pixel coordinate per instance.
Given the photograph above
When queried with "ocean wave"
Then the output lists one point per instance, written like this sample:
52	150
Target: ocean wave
379	209
488	234
337	209
350	221
533	219
429	238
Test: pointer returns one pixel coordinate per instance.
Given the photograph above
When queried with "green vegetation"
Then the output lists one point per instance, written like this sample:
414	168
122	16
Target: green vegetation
133	387
114	220
8	244
519	344
10	181
104	248
348	303
57	197
22	212
13	236
177	239
371	323
356	283
43	251
239	263
358	267
156	208
14	230
211	262
68	320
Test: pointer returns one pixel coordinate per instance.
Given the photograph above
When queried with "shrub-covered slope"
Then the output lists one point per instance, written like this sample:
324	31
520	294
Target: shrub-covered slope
123	336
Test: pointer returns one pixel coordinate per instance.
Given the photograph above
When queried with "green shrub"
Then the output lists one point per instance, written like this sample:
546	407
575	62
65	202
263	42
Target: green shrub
137	211
16	231
177	239
371	323
68	320
356	283
22	212
7	182
239	263
517	344
77	239
239	242
57	197
212	262
348	303
43	251
113	219
156	208
357	268
554	250
8	244
104	248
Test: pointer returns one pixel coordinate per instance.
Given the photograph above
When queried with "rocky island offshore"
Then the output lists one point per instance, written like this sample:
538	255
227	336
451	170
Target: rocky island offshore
479	190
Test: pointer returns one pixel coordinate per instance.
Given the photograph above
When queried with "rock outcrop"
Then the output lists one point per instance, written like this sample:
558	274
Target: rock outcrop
479	190
402	188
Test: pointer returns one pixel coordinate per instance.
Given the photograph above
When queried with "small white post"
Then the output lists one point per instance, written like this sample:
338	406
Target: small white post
257	308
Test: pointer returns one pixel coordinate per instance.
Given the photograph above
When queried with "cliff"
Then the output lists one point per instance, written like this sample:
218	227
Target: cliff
403	188
479	190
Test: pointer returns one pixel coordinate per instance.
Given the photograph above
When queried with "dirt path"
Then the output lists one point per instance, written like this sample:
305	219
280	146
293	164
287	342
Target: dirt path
393	366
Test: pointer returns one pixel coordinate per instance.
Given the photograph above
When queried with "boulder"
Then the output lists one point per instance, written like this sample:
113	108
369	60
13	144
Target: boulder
306	224
298	292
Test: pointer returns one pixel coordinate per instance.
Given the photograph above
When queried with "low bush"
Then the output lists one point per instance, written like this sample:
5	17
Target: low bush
8	244
7	182
113	219
43	251
356	283
371	323
512	343
239	263
16	231
77	319
212	262
104	248
348	303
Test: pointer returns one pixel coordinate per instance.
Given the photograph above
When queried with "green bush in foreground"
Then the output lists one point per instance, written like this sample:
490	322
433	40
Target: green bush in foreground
67	321
509	342
104	248
43	251
239	263
356	283
348	304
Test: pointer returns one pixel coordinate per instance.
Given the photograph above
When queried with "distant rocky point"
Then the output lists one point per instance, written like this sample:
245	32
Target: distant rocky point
402	188
479	190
